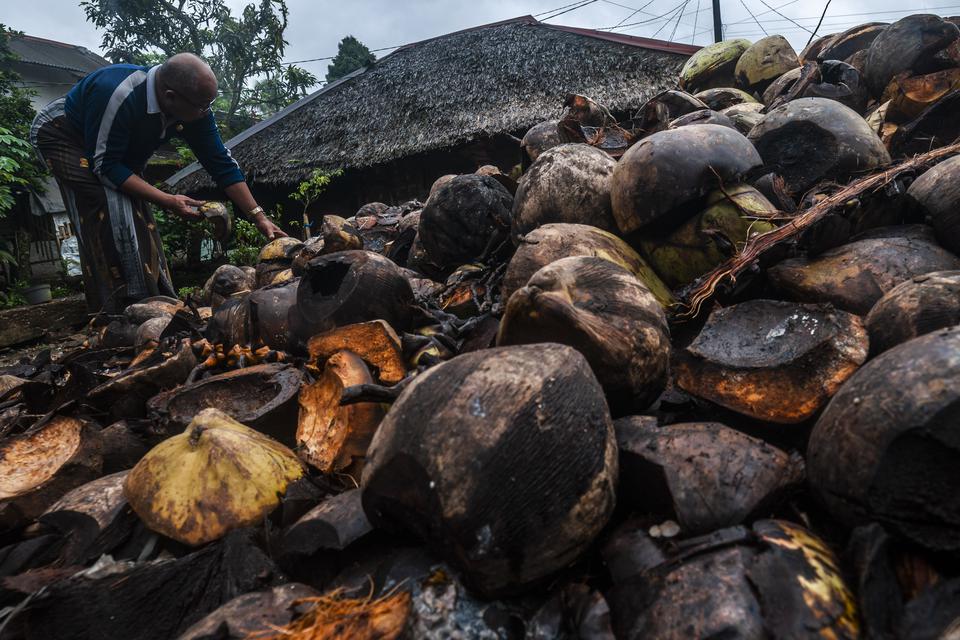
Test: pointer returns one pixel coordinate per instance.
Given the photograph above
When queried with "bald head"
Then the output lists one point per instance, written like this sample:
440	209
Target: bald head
190	75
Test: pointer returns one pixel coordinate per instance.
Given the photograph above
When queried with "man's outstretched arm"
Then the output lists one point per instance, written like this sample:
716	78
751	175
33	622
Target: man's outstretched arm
183	206
239	194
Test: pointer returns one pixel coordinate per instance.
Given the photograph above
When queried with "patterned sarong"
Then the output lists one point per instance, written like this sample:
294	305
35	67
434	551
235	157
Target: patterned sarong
120	249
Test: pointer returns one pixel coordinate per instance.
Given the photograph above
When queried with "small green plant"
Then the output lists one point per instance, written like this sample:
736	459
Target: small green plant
185	154
61	291
185	292
313	187
15	297
247	240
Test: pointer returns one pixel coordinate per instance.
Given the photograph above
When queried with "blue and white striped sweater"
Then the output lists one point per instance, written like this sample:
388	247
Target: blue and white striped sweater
116	110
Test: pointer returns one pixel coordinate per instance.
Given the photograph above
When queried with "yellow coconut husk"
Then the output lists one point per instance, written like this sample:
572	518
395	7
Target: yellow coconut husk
216	476
279	249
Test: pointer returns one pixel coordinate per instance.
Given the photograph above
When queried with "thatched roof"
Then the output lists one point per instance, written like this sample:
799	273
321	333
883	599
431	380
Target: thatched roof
446	91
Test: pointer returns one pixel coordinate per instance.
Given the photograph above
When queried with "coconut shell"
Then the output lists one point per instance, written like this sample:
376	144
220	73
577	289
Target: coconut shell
704	116
885	449
329	527
348	287
841	82
813	49
853	277
375	341
730	218
126	394
603	311
148	334
270	313
913	308
780	87
936	195
40	466
745	116
805	353
720	98
844	45
262	397
465	218
938	125
551	242
813	139
713	65
219	217
539	138
704	475
764	61
331	437
677	103
774	580
910	96
280	249
275	257
155	307
670	169
226	281
251	615
216	476
504	460
909	44
98	502
543	195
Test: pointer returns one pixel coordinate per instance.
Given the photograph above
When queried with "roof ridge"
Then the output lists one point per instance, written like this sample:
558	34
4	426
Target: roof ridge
65	45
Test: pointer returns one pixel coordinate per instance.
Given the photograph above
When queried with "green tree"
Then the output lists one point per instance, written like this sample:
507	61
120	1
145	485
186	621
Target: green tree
278	89
19	170
240	48
351	55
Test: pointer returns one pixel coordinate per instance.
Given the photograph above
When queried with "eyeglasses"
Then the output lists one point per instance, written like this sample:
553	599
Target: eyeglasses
203	109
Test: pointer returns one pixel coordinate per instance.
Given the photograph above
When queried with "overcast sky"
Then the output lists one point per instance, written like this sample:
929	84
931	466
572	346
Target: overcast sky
317	25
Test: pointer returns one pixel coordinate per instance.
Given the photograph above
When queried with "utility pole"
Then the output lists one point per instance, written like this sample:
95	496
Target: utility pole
717	23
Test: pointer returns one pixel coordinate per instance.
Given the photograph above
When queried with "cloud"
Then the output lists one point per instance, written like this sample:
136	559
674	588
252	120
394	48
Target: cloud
316	27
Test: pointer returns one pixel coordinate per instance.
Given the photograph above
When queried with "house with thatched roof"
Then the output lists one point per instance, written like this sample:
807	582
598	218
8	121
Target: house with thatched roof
444	105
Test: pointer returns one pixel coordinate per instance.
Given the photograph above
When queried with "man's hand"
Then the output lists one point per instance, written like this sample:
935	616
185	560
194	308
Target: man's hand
183	206
267	228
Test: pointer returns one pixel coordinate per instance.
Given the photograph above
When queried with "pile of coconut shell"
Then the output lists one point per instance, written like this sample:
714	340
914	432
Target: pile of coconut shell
689	372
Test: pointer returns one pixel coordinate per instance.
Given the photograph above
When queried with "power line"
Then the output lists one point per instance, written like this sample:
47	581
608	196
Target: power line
560	13
623	6
543	13
785	17
842	15
670	19
785	4
635	12
671	13
753	16
677	23
332	57
813	35
696	14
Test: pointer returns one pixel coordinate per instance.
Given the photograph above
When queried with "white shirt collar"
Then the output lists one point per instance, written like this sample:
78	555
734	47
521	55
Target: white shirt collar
153	105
